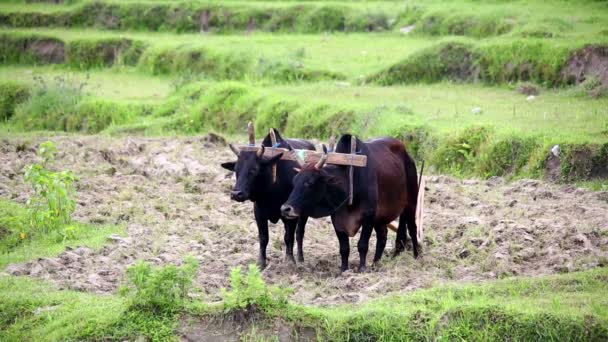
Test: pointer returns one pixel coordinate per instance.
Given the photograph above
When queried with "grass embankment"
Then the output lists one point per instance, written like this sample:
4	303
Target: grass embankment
277	57
568	307
539	19
195	16
510	136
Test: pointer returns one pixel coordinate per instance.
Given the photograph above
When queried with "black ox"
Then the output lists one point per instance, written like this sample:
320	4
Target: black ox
385	189
254	182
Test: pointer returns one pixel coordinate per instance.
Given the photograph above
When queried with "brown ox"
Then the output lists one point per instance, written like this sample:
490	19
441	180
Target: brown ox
385	189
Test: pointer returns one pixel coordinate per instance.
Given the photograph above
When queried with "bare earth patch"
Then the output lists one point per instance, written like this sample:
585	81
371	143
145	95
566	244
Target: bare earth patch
172	195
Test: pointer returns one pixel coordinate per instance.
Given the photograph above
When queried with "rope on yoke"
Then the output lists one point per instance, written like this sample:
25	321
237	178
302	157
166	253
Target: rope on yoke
273	139
353	150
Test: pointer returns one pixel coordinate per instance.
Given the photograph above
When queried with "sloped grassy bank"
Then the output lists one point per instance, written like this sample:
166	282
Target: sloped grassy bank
570	307
84	54
545	62
551	63
472	149
524	19
195	16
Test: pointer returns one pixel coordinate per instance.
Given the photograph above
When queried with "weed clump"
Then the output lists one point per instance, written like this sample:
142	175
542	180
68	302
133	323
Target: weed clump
11	95
159	290
250	292
62	105
459	154
50	105
591	87
506	156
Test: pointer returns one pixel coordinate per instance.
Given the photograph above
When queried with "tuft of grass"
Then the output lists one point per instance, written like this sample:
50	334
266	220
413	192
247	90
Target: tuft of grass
11	95
250	292
62	105
159	290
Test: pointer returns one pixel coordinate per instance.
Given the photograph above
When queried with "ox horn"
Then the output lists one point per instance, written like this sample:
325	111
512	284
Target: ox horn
251	133
261	151
298	159
234	149
323	159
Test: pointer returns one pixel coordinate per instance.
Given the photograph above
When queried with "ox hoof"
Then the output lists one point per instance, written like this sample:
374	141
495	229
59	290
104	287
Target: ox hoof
362	269
289	259
262	264
300	258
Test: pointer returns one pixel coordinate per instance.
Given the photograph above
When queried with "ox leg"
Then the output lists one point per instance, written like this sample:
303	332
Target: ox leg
363	245
300	237
413	231
381	232
401	239
344	249
262	223
290	230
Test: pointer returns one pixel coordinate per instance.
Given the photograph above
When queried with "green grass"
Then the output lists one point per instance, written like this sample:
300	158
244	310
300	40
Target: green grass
62	315
32	310
565	307
13	218
352	54
447	107
125	84
560	307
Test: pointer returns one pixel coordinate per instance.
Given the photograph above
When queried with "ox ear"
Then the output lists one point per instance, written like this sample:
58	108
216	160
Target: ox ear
229	166
273	160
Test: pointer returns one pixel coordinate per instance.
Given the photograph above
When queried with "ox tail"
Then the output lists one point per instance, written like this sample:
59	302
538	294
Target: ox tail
407	220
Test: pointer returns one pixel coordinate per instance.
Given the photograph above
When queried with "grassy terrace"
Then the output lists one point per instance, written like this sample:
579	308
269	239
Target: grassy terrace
571	307
339	53
312	78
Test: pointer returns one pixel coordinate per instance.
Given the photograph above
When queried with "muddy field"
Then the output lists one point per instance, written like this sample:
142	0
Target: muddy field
172	196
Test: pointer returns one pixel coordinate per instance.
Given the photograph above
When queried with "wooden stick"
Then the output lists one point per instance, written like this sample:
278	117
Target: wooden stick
353	151
312	156
420	210
273	139
251	133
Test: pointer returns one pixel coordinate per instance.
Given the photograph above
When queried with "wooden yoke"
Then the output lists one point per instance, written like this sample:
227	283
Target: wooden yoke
310	156
273	140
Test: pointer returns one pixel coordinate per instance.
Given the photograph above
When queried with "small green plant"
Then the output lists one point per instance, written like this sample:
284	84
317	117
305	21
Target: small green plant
250	291
160	290
52	204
